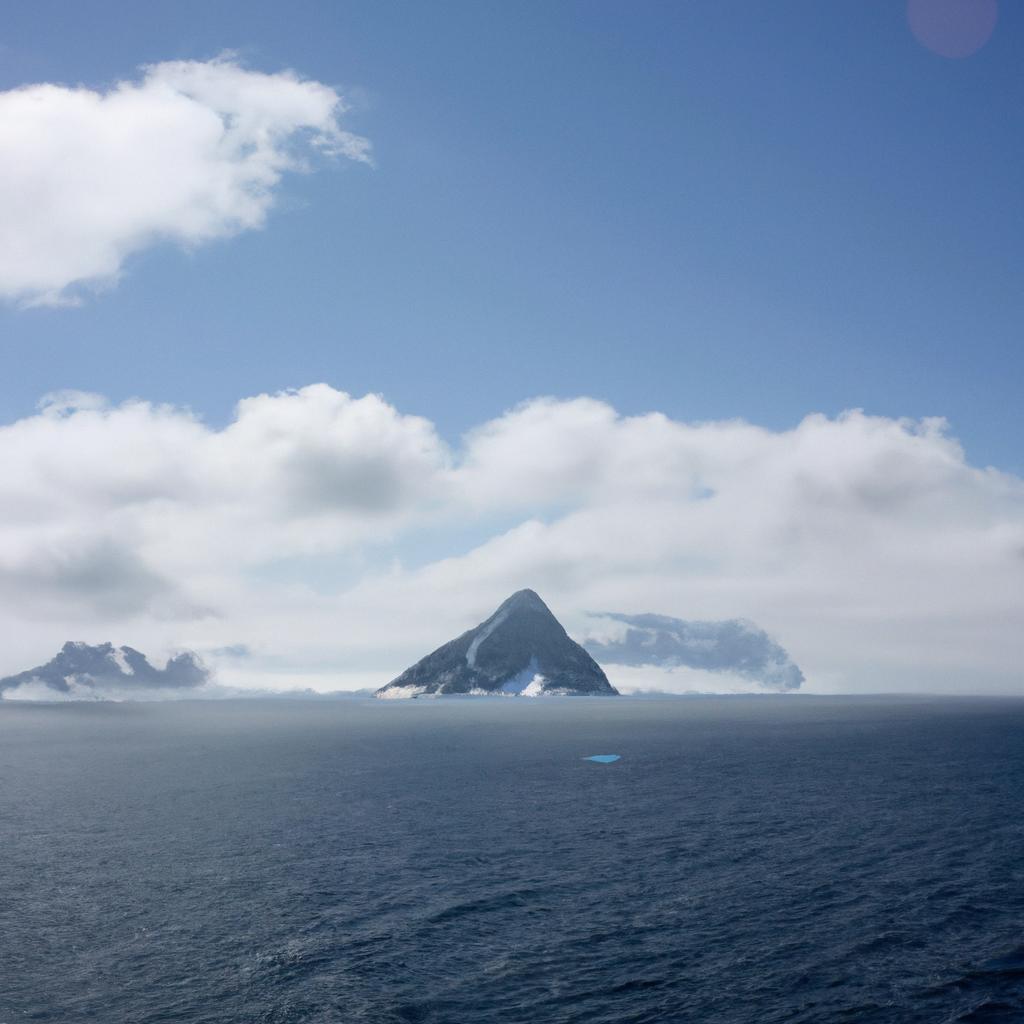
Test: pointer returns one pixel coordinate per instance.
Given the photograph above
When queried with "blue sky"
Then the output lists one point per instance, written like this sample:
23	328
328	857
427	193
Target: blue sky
709	209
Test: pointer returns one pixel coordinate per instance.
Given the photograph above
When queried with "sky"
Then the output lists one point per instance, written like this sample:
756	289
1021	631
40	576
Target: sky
327	327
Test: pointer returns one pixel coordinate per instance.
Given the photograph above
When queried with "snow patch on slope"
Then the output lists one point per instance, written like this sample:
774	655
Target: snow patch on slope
527	683
118	656
401	692
482	636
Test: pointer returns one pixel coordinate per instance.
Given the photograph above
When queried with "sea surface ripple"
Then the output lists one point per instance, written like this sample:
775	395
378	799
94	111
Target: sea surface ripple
773	859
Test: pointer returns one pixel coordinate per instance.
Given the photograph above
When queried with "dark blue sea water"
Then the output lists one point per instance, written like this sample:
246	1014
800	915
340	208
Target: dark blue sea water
747	860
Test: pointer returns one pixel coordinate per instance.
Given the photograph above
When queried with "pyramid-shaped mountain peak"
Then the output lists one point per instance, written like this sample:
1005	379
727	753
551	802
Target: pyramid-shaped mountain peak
520	650
524	599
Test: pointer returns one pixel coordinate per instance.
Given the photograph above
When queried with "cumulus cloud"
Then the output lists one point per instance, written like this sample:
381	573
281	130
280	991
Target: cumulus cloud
732	646
84	672
297	472
189	152
337	539
101	569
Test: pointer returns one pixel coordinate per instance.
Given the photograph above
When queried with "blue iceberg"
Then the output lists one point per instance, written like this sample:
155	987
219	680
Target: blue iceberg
602	758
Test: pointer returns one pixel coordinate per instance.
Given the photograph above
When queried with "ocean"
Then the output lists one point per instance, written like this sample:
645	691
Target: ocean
748	859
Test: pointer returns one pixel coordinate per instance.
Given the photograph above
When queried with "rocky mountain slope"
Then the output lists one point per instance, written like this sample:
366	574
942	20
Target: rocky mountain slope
521	650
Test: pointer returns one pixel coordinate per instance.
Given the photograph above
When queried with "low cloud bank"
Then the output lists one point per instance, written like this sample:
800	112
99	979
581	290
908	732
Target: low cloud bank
190	152
733	646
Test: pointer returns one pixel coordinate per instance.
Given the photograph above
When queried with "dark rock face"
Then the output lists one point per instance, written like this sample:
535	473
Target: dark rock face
521	649
103	666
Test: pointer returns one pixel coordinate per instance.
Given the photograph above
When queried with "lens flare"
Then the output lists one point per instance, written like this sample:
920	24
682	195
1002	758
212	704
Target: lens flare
952	28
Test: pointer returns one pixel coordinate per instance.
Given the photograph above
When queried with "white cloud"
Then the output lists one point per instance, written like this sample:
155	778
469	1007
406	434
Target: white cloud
308	531
190	152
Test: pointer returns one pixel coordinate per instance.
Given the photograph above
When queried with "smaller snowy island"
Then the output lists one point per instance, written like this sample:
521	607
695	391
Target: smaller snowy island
81	671
520	651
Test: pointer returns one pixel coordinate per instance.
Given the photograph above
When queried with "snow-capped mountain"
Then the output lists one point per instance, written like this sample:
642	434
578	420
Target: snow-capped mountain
521	650
83	669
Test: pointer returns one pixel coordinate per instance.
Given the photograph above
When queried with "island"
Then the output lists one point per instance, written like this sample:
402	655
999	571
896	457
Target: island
520	651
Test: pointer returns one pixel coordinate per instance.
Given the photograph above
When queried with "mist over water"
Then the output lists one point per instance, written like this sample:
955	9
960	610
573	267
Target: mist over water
749	859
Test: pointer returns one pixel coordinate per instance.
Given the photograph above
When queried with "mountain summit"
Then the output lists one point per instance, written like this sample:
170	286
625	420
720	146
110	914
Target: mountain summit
521	650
